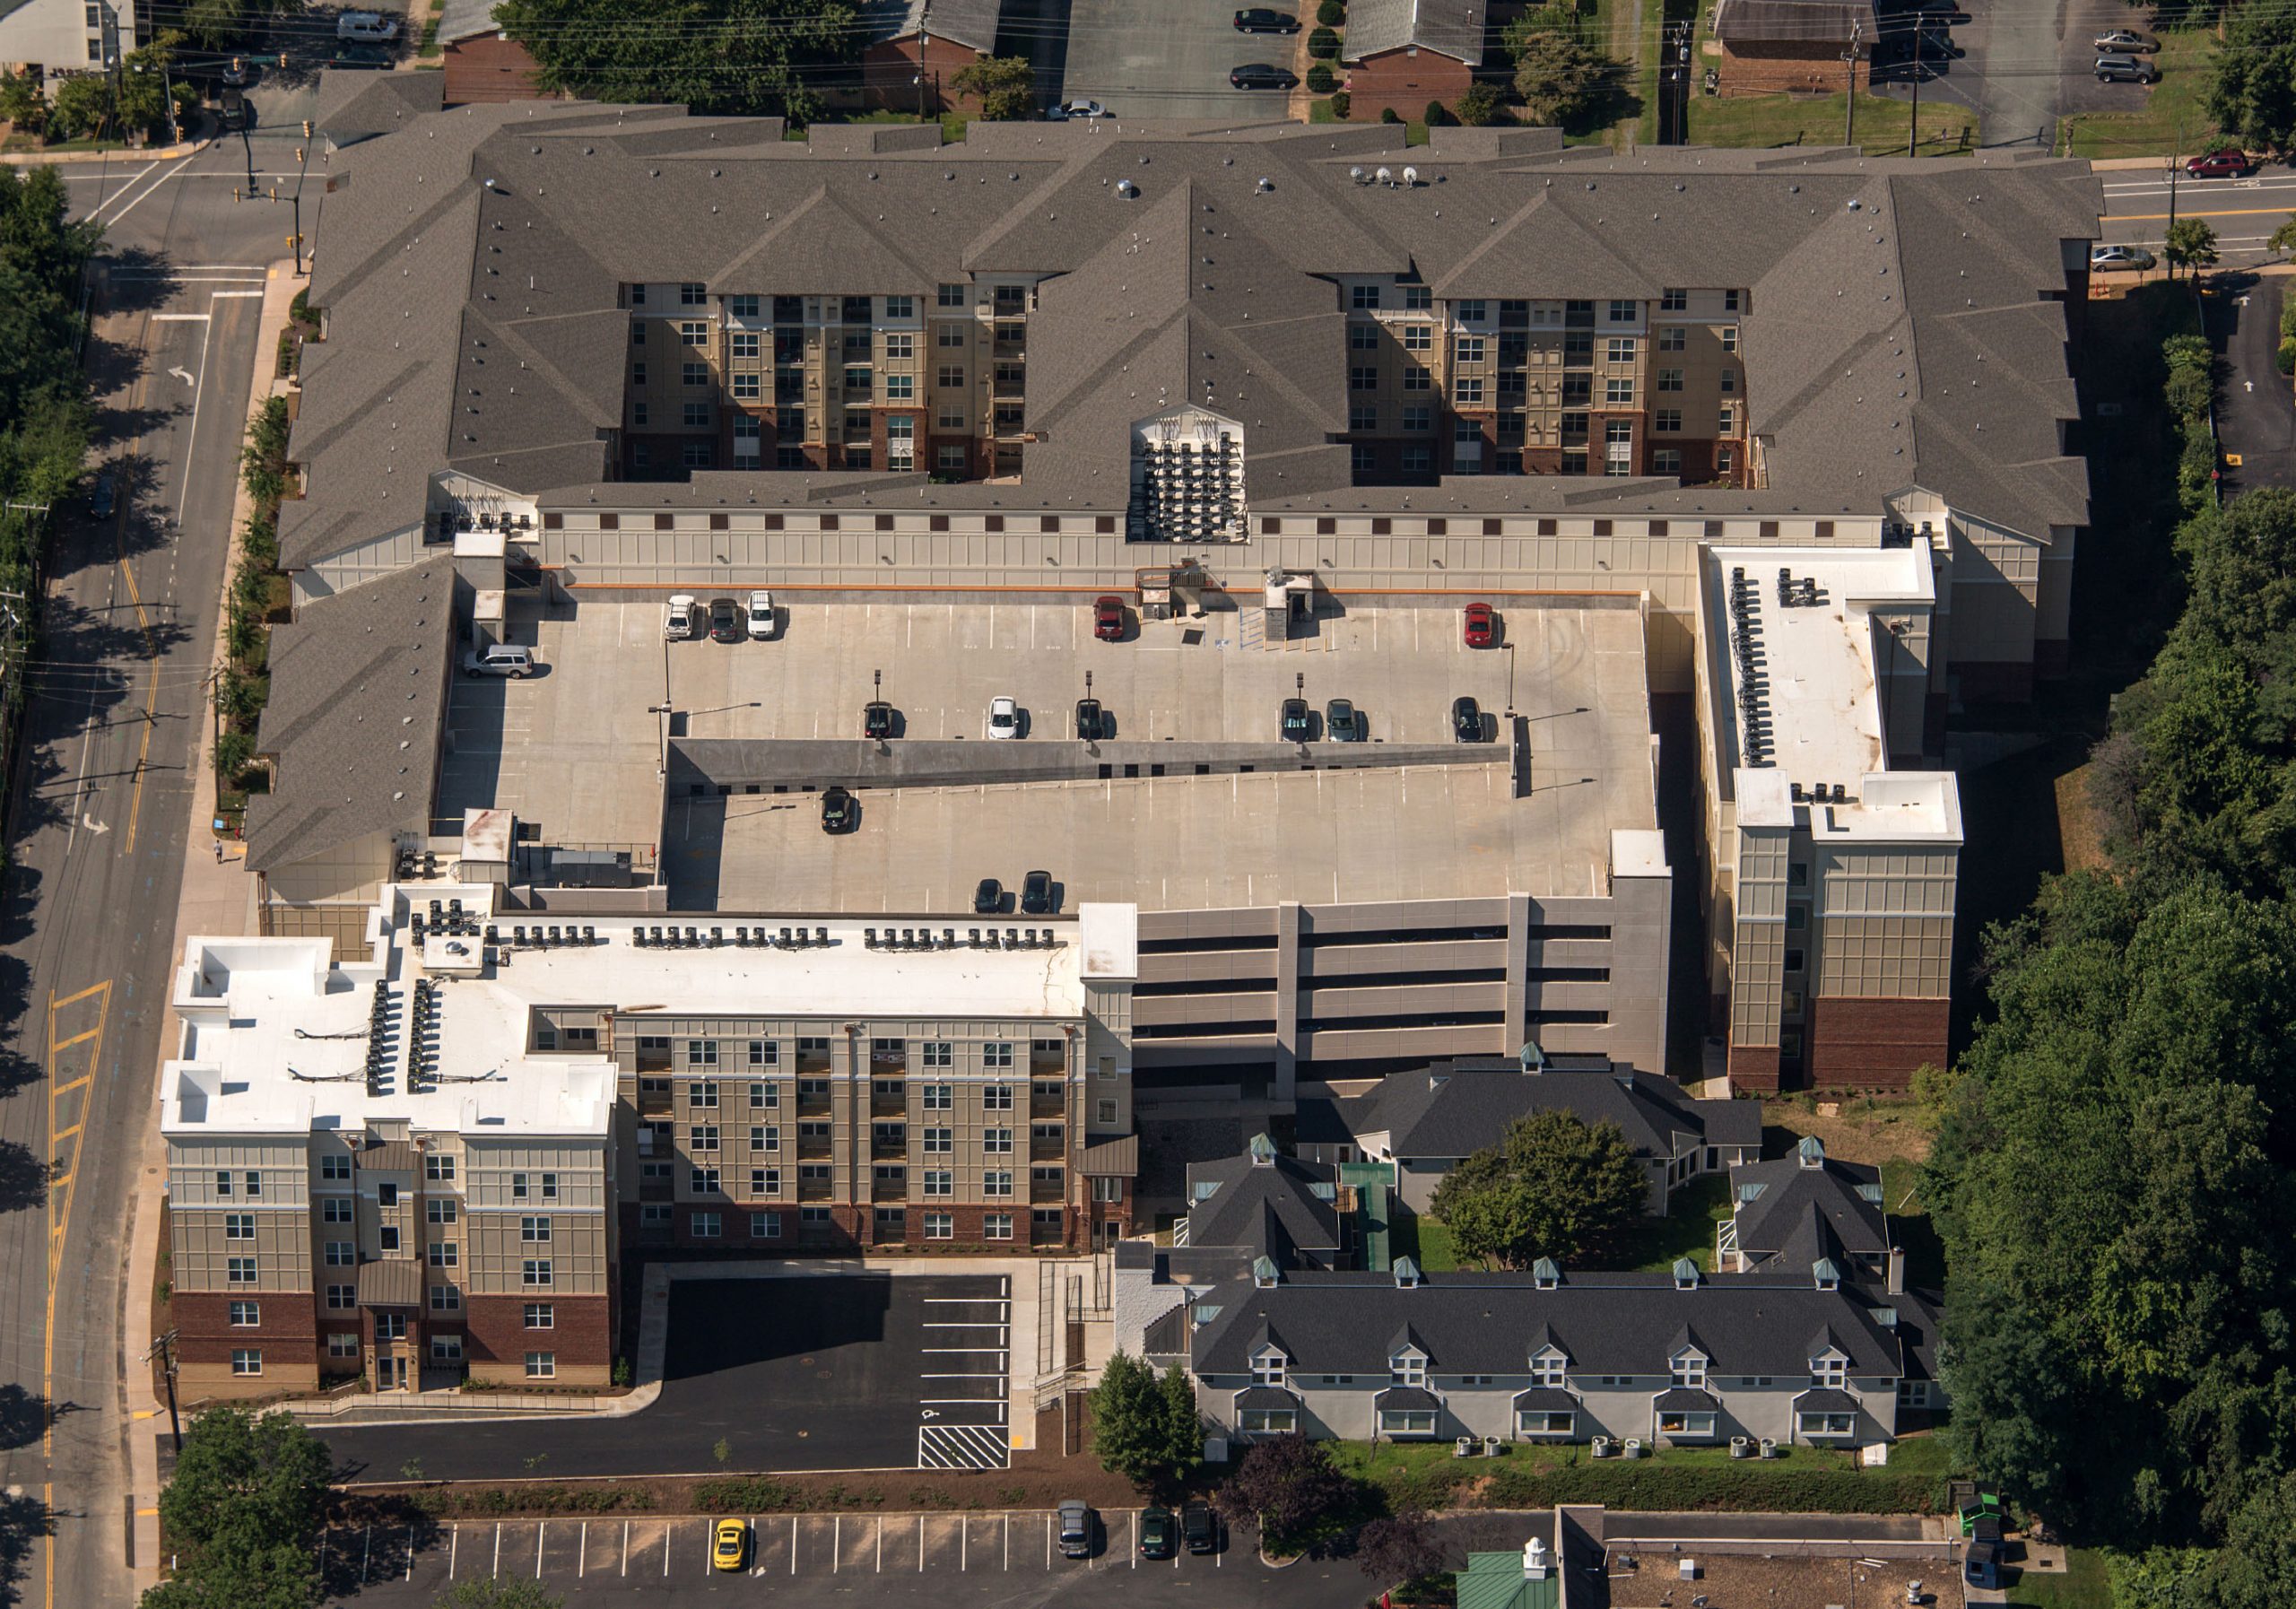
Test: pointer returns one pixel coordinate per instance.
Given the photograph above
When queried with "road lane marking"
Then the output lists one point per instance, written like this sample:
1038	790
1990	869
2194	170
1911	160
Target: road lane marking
181	318
55	1005
2230	212
76	1038
61	1192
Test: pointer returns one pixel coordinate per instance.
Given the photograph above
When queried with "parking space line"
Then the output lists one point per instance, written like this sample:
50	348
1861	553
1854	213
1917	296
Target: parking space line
793	1545
454	1547
542	1534
836	1541
964	1540
625	1549
1048	1542
1134	1549
880	1544
498	1550
582	1558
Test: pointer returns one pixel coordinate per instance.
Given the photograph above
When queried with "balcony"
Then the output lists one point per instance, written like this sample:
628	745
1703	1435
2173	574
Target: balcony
812	1058
1044	1193
813	1103
816	1189
1048	1151
1048	1062
889	1151
887	1106
889	1189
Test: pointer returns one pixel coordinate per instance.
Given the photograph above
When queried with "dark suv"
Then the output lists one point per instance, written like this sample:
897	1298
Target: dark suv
1036	895
1296	725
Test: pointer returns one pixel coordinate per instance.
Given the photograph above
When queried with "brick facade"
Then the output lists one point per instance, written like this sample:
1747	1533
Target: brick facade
1753	1068
1405	79
206	1338
890	69
496	1339
490	69
1860	1044
1799	66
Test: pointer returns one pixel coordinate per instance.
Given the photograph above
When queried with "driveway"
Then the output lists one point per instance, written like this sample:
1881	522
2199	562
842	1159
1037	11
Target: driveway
846	1371
1170	59
2256	416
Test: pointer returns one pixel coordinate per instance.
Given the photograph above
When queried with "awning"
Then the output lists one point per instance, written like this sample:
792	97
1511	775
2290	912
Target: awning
1112	1159
391	1283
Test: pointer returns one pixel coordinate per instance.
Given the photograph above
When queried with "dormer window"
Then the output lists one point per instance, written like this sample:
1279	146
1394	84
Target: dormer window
1833	1371
1407	1369
1825	1275
1267	1368
1265	1276
1551	1369
1685	1274
1545	1274
1407	1273
1690	1370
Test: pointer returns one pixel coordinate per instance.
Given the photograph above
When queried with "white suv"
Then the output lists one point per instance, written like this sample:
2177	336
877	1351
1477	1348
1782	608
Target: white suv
677	620
365	27
761	614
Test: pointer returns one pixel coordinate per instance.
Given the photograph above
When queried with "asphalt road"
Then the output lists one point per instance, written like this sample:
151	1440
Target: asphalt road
2244	212
96	836
1171	60
854	1371
2256	414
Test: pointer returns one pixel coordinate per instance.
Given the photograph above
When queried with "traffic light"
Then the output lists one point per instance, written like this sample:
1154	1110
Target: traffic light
239	64
306	128
299	155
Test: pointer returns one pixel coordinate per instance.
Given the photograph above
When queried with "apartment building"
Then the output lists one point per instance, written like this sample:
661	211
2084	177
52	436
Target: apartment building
1833	858
422	1164
66	38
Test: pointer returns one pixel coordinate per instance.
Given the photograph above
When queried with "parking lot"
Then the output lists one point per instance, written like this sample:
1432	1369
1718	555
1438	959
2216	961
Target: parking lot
846	1372
1169	60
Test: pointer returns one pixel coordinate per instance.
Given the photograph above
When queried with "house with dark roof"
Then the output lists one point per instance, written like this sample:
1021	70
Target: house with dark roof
483	64
1405	53
1424	1123
1268	1205
1803	47
1791	1211
1620	1361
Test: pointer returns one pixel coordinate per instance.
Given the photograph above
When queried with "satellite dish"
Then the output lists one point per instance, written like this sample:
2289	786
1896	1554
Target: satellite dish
1410	177
1384	177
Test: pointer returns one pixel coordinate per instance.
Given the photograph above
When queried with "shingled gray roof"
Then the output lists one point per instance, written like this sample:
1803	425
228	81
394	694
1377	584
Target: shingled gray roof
1454	1109
1476	1323
971	22
1795	1214
1276	1210
358	693
1822	25
1452	27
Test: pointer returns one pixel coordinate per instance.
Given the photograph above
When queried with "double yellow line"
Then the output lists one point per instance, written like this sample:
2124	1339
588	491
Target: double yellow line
62	1187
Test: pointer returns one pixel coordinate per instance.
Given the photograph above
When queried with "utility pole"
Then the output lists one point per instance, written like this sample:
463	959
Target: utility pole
165	1347
1850	60
2171	233
1913	133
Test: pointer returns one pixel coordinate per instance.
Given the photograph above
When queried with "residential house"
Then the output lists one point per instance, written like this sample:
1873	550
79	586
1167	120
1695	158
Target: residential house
1799	45
1791	1212
483	64
1275	1206
66	39
1402	54
917	49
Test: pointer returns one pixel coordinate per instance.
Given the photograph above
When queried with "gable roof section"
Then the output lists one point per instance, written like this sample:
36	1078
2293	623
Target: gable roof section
969	23
1822	26
1452	27
1273	1211
1451	1111
1804	1213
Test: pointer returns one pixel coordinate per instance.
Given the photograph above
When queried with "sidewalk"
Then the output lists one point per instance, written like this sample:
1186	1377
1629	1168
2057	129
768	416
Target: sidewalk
149	154
217	896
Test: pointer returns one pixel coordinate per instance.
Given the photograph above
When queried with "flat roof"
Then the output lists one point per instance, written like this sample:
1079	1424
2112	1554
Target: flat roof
275	1039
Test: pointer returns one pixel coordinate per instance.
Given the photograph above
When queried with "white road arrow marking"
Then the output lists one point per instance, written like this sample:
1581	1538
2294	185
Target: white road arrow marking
93	825
184	375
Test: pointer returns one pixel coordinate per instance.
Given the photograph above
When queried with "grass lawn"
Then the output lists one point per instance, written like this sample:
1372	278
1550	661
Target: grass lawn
2083	1584
1883	125
2166	108
1369	1460
1425	1240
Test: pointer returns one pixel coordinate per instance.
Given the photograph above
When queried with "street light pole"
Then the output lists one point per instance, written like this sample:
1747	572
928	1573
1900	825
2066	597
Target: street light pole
1850	60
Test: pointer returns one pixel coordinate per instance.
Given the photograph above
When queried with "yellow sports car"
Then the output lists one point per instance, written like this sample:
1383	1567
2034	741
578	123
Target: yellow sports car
733	1549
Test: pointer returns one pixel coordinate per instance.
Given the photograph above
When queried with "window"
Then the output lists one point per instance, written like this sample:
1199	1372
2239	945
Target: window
996	1054
1727	418
1730	300
654	1216
542	1365
1104	1114
900	346
335	1166
239	1271
706	1226
1470	312
1416	460
745	307
638	331
390	1326
1832	1371
1362	337
1730	379
1730	338
246	1314
1467	389
901	387
342	1344
1724	460
446	1350
536	1271
1550	1369
949	296
1268	1421
535	1230
340	1297
1828	1424
1418	417
937	1139
937	1182
695	415
223	1184
1467	349
1690	1426
1362	459
445	1254
330	1212
996	1226
446	1298
940	1226
1670	379
1622	349
1672	338
694	374
440	1209
1360	297
341	1253
1407	1369
1416	379
765	1181
1407	1422
1417	299
951	335
693	332
1666	420
1625	312
704	1138
901	306
937	1096
1364	417
702	1181
640	415
246	1361
765	1137
1690	1371
1666	460
1267	1369
1618	392
387	1237
692	296
520	1187
1421	337
748	388
637	296
1672	300
996	1184
1363	377
765	1226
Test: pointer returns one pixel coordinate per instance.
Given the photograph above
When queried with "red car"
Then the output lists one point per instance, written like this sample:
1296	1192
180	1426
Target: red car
2221	165
1107	619
1481	626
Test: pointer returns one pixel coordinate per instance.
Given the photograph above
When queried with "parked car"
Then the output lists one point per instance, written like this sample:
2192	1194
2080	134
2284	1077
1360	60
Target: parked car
731	1550
1466	720
1036	895
1075	1529
365	27
1107	619
236	74
1343	722
1088	720
359	57
2119	68
1076	108
761	623
2232	163
840	811
2127	41
2107	257
1481	627
104	497
725	621
1262	75
988	899
1156	1534
678	618
877	720
1296	724
1004	717
1200	1527
499	659
1261	19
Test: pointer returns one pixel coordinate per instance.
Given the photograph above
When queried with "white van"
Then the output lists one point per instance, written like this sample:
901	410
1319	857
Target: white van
365	27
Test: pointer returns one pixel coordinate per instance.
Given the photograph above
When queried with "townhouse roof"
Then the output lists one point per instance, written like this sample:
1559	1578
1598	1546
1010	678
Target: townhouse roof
358	691
1452	27
969	23
1454	1109
1275	1206
470	244
1793	1212
1475	1323
461	19
1822	25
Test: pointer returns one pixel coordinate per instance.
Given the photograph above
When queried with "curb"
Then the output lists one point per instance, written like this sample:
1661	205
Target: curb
166	153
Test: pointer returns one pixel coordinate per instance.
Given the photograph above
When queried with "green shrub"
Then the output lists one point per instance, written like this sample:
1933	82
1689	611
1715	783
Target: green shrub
1320	79
1323	44
1331	14
743	1494
233	751
1785	1487
1341	104
1479	106
1436	115
1388	114
2285	359
2189	391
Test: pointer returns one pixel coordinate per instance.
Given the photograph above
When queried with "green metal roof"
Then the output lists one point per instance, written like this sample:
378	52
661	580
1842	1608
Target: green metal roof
1495	1581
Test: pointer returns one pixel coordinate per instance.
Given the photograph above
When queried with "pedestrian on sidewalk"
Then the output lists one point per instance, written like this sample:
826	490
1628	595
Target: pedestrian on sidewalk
219	851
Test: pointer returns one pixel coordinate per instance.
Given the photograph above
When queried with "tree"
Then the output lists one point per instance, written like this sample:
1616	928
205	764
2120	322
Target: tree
25	108
2283	240
1006	85
1435	116
82	108
1287	1487
1331	14
1553	1187
1145	1428
1401	1547
240	1509
2251	89
144	87
503	1592
2256	1568
281	1576
757	57
1323	44
1558	77
1478	105
1320	79
2191	243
